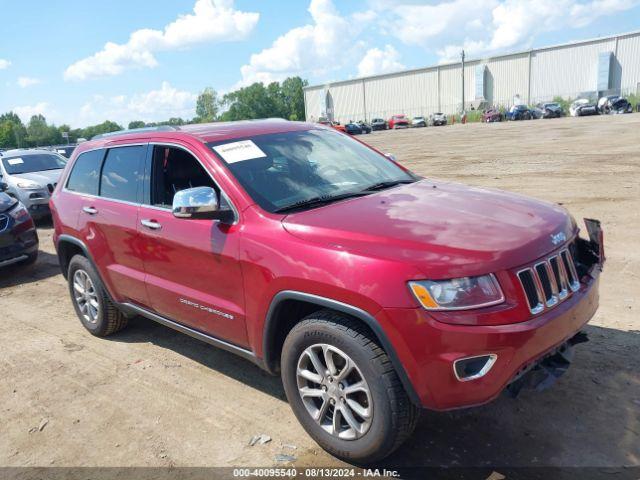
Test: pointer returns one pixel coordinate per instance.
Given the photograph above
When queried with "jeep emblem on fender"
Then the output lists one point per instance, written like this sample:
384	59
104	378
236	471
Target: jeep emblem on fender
558	238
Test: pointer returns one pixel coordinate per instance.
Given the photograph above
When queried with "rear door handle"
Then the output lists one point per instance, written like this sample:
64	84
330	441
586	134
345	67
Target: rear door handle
90	210
152	224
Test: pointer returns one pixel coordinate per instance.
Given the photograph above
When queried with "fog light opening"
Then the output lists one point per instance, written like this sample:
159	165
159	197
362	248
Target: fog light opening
471	368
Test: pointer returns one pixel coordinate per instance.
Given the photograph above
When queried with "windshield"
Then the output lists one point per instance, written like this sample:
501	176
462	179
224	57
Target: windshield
38	162
280	170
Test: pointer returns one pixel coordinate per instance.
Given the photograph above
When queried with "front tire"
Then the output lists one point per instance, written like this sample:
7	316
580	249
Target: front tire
95	310
344	390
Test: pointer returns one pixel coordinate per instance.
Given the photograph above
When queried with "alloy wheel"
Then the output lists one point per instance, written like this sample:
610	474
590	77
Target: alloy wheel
334	391
86	296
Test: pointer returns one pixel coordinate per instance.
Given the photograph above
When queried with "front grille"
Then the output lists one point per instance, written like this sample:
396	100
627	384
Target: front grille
549	282
4	221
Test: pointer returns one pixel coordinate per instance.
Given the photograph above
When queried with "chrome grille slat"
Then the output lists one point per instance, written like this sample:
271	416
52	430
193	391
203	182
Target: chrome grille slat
549	282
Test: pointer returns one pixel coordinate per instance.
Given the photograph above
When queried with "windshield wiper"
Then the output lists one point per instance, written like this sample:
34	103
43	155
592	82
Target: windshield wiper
387	184
319	200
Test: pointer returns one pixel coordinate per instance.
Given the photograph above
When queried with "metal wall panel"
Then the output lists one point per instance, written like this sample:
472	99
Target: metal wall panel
413	93
348	101
314	103
507	77
628	63
451	87
566	71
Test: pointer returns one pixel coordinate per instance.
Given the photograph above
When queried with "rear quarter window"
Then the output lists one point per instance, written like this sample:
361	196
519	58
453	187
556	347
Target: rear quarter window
85	173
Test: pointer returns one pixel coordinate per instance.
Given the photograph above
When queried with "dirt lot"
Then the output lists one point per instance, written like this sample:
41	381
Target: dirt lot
152	397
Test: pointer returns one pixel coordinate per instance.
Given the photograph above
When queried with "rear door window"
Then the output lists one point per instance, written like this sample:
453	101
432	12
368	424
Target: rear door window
122	173
85	175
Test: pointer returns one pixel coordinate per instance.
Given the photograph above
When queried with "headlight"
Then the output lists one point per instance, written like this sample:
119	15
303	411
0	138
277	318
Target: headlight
458	293
19	213
30	185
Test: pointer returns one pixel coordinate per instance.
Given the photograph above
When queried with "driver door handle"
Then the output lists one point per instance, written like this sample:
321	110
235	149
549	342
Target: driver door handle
152	224
90	210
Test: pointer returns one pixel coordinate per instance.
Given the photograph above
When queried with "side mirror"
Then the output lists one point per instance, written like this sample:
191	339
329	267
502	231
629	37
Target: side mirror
3	187
391	157
200	203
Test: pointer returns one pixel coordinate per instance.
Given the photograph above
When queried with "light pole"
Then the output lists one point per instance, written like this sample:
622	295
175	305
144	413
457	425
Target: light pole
462	56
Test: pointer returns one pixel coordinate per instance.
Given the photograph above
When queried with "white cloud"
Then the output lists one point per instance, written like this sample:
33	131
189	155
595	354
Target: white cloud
314	49
25	112
152	106
484	27
24	82
4	63
377	61
211	21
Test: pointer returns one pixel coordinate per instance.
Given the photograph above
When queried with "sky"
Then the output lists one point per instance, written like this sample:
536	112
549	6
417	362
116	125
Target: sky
80	63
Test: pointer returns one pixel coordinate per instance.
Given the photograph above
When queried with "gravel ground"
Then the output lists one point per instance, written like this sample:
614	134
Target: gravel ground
149	396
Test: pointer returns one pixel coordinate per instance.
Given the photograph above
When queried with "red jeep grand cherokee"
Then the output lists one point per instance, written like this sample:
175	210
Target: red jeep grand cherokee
372	291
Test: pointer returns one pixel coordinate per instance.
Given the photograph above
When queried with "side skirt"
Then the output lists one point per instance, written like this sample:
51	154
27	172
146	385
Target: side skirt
132	309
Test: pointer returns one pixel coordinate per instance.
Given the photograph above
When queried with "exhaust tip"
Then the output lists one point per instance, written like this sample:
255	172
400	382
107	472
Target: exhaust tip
472	368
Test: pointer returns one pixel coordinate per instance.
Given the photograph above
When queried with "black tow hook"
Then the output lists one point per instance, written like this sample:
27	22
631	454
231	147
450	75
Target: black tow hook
546	371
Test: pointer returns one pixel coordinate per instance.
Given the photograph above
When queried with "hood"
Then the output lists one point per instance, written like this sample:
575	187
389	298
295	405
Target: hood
553	108
6	202
43	178
443	229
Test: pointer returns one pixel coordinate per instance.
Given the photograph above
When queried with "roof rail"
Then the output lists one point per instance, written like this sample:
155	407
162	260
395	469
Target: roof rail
160	128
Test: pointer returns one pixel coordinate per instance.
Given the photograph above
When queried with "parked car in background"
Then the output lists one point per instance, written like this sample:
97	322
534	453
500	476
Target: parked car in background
548	110
371	291
398	121
418	122
437	119
31	176
331	124
365	127
492	115
64	150
613	104
582	107
18	236
519	112
352	128
378	124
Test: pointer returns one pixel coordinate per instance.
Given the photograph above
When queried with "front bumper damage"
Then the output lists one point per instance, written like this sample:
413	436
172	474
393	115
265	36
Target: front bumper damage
543	374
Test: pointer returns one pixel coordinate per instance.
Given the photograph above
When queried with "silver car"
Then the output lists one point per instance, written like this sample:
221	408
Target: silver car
30	176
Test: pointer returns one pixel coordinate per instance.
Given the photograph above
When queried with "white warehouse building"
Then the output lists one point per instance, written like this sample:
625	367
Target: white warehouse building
585	68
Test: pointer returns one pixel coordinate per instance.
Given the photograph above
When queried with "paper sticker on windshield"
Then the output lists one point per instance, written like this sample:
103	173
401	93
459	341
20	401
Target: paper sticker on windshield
239	151
15	161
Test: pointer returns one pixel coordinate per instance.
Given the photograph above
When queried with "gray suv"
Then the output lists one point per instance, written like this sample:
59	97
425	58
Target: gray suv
30	176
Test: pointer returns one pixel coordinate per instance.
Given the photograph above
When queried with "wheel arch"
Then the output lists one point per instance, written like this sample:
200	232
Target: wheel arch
278	324
68	246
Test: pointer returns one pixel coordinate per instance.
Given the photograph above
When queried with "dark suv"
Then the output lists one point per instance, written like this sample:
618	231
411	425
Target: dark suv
371	291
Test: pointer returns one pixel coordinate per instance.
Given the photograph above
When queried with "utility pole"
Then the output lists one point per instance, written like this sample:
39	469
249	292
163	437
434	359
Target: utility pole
462	56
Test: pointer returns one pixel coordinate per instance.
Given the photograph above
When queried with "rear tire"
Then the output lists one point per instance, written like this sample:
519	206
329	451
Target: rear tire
379	405
96	311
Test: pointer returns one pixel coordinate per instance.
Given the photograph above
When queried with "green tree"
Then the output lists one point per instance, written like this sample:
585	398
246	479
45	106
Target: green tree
38	130
207	105
293	94
284	100
13	131
104	127
136	124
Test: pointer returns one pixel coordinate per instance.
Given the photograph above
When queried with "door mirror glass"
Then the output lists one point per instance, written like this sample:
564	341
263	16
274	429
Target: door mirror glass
200	202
